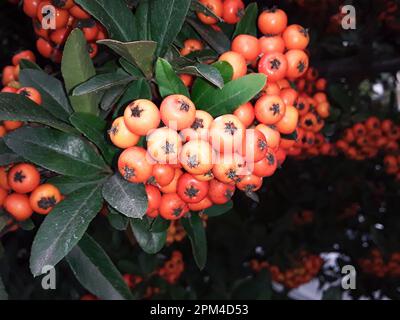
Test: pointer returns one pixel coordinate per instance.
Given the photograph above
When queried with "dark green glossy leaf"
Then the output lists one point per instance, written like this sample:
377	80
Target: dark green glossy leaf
7	156
195	230
232	95
151	242
102	82
111	97
114	15
130	68
205	71
18	107
167	80
51	89
159	224
166	20
143	20
63	153
96	272
202	88
248	23
216	39
117	220
95	129
197	6
128	198
64	227
77	68
140	53
27	64
139	89
67	185
219	210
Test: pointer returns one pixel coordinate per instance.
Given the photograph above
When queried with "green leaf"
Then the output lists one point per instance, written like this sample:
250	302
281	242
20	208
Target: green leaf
128	198
111	97
139	89
197	6
151	242
167	80
202	88
3	292
77	68
194	228
130	68
94	128
67	185
114	15
139	53
142	15
248	23
7	156
27	225
17	107
96	272
117	220
160	224
205	71
166	20
64	227
28	64
51	89
102	82
216	39
63	153
232	95
219	210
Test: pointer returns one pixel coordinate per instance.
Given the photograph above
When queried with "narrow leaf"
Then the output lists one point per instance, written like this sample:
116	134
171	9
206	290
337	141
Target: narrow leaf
151	242
95	129
167	80
195	230
232	95
102	82
96	272
64	227
128	198
114	15
216	39
54	98
77	68
166	20
140	53
57	151
248	23
17	107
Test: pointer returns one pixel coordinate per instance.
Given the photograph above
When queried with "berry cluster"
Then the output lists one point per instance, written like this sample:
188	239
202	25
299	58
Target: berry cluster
67	15
307	266
11	85
230	11
314	107
376	264
366	140
21	192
